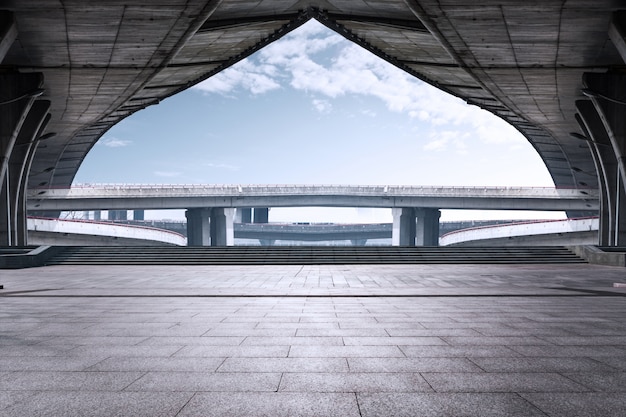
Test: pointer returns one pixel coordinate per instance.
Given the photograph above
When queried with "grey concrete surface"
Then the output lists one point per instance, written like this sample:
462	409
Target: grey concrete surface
340	340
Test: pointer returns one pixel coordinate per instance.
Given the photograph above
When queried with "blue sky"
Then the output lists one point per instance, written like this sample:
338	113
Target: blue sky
313	108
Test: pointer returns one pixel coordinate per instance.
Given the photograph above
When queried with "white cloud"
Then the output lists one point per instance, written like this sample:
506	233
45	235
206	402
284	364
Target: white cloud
322	106
315	60
167	174
114	142
245	74
227	167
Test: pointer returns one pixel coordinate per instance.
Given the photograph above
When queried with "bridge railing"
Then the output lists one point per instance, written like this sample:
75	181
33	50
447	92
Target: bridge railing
233	190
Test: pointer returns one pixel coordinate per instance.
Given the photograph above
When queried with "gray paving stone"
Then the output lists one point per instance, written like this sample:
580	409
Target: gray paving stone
99	404
47	363
55	380
317	341
274	404
345	352
203	381
412	365
393	341
192	341
284	365
458	351
501	382
353	382
494	340
8	398
602	382
379	332
145	364
616	362
437	405
412	332
570	351
579	404
541	364
234	351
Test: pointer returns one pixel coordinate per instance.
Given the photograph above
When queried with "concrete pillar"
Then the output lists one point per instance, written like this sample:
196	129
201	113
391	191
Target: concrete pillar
261	215
17	95
599	144
243	215
403	233
608	94
221	227
118	215
427	227
19	166
198	228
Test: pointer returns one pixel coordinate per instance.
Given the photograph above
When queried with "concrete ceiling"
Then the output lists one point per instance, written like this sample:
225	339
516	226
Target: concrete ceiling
105	60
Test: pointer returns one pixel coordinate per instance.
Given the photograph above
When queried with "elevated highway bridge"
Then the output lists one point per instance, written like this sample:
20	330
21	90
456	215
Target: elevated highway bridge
552	69
211	208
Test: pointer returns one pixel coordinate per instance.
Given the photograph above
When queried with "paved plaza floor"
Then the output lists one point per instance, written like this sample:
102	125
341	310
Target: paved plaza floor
340	340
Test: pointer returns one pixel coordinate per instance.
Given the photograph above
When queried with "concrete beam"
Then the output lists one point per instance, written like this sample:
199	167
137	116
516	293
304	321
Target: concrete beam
617	32
8	32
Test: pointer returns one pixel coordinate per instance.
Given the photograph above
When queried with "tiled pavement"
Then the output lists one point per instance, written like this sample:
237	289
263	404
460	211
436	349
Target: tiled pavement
392	340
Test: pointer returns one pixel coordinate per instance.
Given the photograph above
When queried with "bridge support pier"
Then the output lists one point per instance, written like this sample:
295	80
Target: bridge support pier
415	227
221	226
608	96
198	228
261	215
210	227
243	215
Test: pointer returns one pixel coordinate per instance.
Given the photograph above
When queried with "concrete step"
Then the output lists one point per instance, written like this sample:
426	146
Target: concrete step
310	255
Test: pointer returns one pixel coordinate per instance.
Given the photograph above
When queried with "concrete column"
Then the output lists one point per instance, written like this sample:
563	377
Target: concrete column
19	166
403	233
261	215
608	94
599	144
198	229
243	215
118	215
427	227
17	95
5	213
221	227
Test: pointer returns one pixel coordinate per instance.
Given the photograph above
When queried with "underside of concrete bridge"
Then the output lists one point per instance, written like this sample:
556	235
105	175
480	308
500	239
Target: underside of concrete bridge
70	70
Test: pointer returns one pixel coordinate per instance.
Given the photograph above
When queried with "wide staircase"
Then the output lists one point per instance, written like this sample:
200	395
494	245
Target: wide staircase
293	255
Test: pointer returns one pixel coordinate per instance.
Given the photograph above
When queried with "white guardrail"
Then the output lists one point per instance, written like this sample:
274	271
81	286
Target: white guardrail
172	190
94	228
542	227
